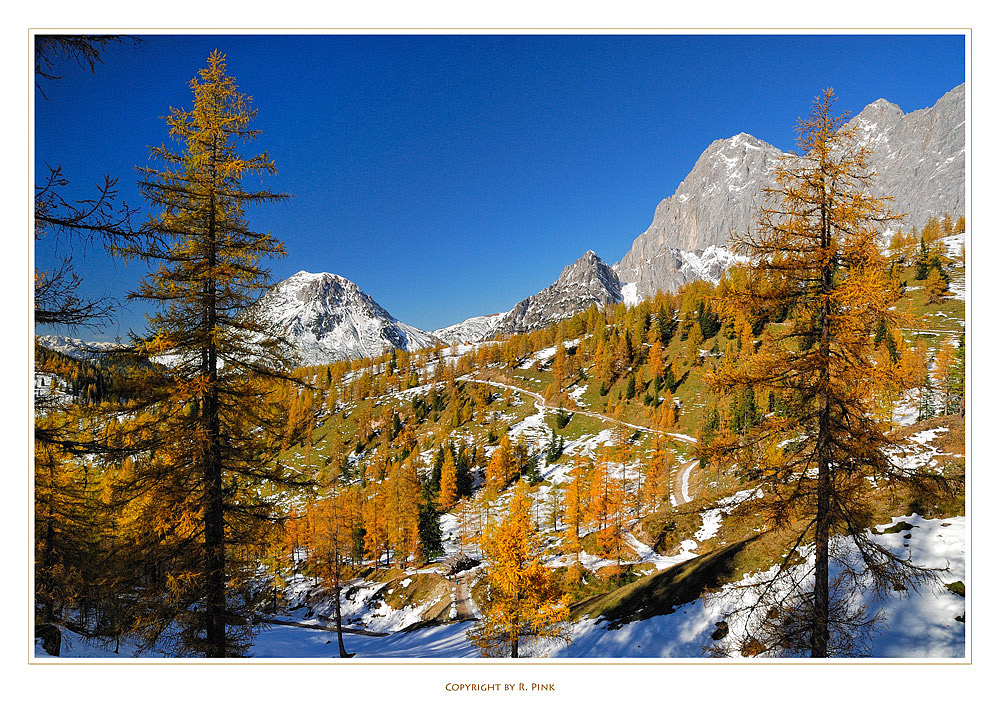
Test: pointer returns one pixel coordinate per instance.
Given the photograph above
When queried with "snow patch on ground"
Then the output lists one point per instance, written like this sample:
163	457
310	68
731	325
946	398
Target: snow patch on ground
917	624
533	430
589	444
918	452
921	624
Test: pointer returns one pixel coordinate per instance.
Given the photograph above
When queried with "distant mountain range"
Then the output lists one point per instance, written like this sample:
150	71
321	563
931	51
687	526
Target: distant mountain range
74	347
919	158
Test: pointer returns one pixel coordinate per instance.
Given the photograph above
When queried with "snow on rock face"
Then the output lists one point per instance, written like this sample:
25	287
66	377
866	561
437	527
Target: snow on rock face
919	159
720	194
471	330
327	318
581	284
76	348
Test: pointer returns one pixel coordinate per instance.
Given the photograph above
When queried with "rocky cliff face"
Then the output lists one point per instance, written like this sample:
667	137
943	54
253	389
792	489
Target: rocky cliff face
919	158
581	284
587	281
328	318
720	194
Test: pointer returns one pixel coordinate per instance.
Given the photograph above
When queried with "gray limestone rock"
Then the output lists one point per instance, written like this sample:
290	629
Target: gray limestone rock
919	159
587	281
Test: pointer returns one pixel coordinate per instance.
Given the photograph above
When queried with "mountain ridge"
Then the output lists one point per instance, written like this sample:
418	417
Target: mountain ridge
327	317
918	158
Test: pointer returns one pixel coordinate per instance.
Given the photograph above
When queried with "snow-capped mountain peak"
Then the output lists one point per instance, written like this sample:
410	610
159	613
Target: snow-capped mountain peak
327	317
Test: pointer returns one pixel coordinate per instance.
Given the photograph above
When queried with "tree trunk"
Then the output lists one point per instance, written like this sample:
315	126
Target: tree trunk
215	532
336	584
215	541
337	616
821	586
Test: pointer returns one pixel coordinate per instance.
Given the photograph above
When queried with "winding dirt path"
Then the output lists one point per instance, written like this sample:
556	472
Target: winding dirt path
540	402
464	610
681	488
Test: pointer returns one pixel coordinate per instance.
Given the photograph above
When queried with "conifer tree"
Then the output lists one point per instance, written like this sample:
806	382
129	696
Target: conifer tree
956	380
656	360
575	504
373	514
943	374
522	597
815	254
70	523
402	510
554	449
70	529
329	541
215	411
935	285
449	481
501	469
429	531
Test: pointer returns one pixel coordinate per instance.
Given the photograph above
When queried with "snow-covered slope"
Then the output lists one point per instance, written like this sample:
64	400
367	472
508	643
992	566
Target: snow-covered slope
929	623
327	318
925	624
471	330
74	347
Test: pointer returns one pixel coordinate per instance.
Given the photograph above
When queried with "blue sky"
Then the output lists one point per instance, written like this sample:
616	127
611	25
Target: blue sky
451	176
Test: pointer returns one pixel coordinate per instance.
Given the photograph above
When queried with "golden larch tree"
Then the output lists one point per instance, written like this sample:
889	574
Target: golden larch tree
815	260
216	410
522	596
448	494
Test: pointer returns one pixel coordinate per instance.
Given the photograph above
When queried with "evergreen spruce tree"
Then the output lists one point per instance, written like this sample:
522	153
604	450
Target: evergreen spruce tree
956	380
429	531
